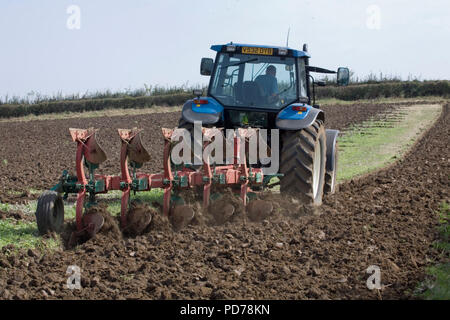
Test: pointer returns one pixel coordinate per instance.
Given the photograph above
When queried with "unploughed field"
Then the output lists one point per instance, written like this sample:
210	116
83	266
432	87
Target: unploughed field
387	218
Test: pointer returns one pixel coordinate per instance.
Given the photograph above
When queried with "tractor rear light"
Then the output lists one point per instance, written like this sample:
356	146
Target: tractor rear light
231	48
299	108
282	51
201	101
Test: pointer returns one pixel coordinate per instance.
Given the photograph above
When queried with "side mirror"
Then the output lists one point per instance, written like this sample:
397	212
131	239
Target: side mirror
343	76
197	92
206	66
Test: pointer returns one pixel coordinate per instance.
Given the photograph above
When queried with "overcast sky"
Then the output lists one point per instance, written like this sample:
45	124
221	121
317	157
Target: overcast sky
115	45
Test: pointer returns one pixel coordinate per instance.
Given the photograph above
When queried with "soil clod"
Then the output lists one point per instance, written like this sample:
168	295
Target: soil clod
139	218
258	210
181	216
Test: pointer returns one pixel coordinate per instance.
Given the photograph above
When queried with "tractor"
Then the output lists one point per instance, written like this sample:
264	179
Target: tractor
257	92
253	86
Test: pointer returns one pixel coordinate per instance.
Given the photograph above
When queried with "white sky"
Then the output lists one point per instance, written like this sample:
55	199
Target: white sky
124	44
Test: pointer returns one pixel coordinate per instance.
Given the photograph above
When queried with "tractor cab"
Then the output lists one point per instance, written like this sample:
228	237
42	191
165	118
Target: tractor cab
258	77
251	81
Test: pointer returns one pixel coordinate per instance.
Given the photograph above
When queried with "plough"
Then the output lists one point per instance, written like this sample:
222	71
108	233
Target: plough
86	185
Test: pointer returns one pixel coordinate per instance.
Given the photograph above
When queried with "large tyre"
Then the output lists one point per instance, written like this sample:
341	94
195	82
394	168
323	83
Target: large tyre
303	158
330	176
50	212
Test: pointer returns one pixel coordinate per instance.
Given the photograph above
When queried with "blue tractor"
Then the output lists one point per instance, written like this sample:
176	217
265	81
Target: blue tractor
254	86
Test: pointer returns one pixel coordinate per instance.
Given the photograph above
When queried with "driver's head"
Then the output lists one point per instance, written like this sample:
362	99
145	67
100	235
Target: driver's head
271	70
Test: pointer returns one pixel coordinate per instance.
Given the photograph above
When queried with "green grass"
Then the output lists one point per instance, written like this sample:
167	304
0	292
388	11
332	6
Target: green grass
334	101
372	145
23	235
438	284
5	207
154	195
28	209
375	144
113	200
31	191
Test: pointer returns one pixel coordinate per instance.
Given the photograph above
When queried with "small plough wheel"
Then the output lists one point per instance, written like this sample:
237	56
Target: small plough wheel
50	212
303	158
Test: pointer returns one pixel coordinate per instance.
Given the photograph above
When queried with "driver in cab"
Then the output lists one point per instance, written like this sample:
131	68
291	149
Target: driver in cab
268	83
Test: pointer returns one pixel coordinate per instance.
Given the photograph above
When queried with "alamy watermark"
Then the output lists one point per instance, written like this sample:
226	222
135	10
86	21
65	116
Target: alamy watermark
74	20
74	279
373	21
374	280
218	147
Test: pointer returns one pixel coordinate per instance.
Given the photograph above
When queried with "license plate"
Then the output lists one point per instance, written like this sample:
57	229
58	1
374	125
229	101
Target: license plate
256	50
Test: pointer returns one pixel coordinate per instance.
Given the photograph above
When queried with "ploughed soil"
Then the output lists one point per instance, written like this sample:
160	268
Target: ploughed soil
387	219
34	154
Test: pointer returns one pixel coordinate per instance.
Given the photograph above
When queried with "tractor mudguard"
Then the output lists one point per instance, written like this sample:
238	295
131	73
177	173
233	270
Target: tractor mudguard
331	148
291	118
208	112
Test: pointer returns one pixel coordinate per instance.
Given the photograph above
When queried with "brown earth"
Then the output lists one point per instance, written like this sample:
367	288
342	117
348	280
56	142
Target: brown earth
15	214
33	154
386	219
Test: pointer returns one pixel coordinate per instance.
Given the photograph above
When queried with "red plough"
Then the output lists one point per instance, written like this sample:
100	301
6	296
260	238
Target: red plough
133	155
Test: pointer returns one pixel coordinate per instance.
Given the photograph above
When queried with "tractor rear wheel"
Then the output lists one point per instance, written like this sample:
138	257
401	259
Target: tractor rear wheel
50	212
303	158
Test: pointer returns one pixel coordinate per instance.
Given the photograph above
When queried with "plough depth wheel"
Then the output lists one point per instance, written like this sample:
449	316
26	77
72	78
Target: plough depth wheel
50	212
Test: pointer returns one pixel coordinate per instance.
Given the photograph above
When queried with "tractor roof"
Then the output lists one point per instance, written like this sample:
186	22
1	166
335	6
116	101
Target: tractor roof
295	53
